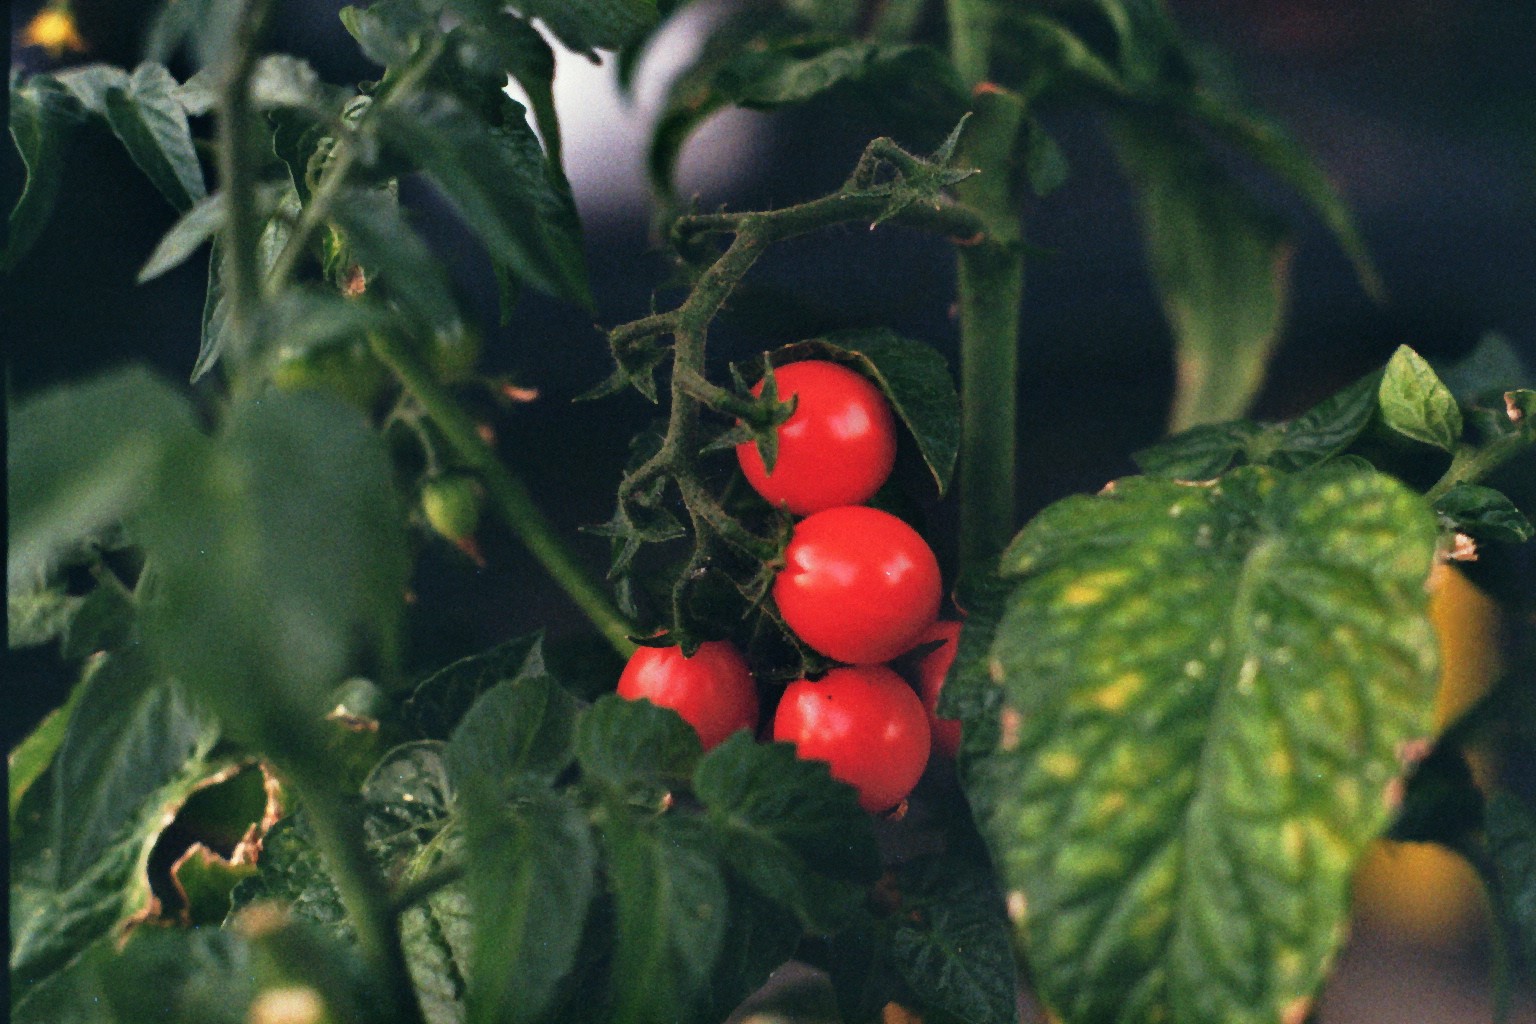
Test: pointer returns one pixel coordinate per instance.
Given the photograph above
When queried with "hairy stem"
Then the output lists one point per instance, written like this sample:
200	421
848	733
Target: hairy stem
991	286
509	495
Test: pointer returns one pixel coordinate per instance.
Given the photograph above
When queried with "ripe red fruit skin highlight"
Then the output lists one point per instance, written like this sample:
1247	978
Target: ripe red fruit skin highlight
858	584
712	691
838	446
932	669
866	723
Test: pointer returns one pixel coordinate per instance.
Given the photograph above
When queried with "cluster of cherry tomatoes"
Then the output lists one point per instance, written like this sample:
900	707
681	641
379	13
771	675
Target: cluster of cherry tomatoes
858	585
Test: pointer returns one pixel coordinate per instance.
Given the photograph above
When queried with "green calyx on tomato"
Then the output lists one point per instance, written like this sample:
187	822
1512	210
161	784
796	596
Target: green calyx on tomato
836	448
866	723
858	584
713	691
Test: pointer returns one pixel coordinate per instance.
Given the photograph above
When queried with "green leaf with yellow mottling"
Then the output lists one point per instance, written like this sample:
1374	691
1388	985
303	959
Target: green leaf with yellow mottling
1203	689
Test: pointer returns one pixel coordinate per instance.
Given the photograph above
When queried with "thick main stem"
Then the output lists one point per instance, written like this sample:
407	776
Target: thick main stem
990	277
509	495
337	826
239	161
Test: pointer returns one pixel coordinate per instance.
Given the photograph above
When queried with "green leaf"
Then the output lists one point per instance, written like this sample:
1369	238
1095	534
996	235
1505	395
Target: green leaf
532	875
497	178
912	374
439	702
214	335
197	225
1315	436
1416	403
521	726
635	749
970	694
37	615
132	749
1204	689
205	28
131	735
281	564
32	756
952	943
106	619
764	61
43	117
152	125
493	45
389	32
1494	364
83	457
304	320
1321	432
1512	849
90	83
293	873
1276	151
1219	261
409	794
670	901
760	937
589	25
394	254
1199	453
788	829
1485	514
181	976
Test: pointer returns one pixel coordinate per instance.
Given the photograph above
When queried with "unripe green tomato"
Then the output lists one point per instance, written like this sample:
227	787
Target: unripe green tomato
348	371
452	505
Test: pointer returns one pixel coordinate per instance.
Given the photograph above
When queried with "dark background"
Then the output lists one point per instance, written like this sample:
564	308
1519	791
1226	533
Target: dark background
1422	111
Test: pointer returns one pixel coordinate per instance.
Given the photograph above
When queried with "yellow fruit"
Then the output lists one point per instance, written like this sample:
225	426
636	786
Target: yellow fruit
1467	622
53	28
1420	892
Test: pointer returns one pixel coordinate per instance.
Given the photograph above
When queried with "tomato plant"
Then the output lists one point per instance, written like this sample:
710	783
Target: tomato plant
838	446
1195	682
866	723
712	689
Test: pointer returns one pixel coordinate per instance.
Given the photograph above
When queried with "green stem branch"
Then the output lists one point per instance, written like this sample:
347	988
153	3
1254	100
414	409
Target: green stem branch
1470	463
509	495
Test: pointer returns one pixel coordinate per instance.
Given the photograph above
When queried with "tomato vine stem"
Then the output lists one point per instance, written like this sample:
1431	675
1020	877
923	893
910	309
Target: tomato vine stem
239	160
337	825
1471	463
887	185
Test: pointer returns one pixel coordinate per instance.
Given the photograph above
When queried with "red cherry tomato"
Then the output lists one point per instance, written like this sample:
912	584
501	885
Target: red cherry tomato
838	446
713	690
866	723
858	584
932	668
